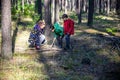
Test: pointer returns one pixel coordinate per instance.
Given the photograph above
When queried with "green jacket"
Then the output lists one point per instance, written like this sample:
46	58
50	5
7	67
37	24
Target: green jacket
58	29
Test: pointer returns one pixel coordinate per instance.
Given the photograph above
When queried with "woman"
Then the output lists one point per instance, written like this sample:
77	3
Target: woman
36	36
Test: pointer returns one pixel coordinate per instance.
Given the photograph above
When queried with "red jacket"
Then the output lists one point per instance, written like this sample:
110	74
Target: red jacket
68	26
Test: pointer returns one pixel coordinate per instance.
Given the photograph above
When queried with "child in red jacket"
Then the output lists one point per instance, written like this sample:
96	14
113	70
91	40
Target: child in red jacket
68	27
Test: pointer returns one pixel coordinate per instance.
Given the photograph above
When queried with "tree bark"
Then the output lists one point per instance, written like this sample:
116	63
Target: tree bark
84	6
53	11
22	5
56	10
6	29
47	11
108	7
0	6
90	13
39	2
80	11
65	4
100	6
47	17
118	7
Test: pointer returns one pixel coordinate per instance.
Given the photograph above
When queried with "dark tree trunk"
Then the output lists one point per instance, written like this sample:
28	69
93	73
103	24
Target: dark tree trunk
38	6
90	13
77	4
118	7
80	11
104	6
0	6
110	5
100	6
6	29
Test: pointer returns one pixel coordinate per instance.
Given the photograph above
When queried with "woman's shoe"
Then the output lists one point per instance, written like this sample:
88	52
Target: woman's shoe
37	47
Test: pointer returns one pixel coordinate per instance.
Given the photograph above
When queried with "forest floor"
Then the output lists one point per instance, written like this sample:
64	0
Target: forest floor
94	55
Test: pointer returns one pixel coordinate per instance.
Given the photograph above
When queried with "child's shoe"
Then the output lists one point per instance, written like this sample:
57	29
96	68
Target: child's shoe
37	47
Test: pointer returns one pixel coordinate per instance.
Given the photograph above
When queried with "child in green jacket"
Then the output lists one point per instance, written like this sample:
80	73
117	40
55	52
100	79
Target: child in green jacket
58	33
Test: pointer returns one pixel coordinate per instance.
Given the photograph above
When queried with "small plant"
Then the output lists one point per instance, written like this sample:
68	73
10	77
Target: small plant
111	30
73	16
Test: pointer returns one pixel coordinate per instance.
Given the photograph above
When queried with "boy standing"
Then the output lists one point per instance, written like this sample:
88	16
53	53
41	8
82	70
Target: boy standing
68	26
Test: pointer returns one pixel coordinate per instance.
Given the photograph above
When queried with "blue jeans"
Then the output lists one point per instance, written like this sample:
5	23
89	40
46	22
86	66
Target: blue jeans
59	41
67	38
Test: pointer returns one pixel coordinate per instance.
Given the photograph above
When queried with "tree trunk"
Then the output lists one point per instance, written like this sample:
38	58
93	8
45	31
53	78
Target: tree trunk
90	13
84	6
60	2
56	10
118	7
0	6
47	11
6	29
22	5
39	2
80	11
47	17
108	7
53	11
65	2
100	6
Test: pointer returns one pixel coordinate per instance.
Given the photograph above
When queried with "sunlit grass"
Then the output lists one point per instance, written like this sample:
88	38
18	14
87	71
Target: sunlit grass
22	67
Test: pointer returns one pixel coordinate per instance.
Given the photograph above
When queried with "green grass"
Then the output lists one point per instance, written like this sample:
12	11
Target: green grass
23	67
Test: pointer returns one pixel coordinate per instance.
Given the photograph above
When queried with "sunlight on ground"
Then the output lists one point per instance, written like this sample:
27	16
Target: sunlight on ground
21	43
22	67
93	31
27	19
107	17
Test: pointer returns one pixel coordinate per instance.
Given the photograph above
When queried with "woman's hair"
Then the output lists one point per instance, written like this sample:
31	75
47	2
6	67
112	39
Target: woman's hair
64	16
41	22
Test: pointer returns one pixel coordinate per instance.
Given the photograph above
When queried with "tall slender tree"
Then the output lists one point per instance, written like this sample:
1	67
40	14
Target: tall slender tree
39	8
47	16
0	6
65	6
53	11
108	7
6	29
47	12
23	5
118	7
80	13
90	13
56	10
100	6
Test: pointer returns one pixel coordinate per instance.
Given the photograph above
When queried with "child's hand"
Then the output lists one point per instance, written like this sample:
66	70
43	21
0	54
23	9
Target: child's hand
52	30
